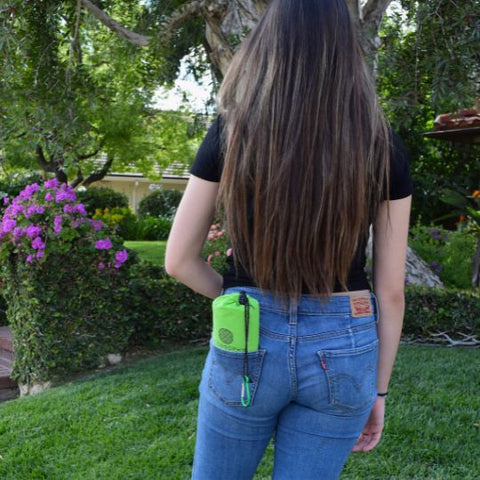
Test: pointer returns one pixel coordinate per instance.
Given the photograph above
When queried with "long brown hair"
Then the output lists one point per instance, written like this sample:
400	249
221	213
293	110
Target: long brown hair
306	148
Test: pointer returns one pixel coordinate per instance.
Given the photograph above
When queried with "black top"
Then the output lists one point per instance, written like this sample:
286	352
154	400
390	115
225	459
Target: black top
208	165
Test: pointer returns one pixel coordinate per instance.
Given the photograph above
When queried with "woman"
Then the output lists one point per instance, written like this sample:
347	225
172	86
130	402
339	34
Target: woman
302	163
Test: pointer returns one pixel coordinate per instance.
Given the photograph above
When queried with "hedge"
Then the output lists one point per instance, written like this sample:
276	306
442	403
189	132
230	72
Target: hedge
167	309
81	317
64	317
435	310
161	308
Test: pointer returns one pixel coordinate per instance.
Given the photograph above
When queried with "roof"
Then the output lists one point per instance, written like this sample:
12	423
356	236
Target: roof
461	126
174	171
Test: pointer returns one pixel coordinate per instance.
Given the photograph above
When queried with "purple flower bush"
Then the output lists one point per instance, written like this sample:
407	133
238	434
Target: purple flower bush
47	219
65	279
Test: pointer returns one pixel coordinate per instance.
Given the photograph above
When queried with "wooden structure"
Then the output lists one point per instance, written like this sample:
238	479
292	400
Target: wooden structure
452	127
469	135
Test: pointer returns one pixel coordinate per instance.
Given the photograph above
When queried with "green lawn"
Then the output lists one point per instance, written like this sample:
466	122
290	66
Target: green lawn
152	251
138	422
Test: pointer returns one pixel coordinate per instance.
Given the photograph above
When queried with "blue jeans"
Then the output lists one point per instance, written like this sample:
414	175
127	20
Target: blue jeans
313	386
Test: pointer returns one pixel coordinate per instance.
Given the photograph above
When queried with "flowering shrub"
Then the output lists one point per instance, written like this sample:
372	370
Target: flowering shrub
64	283
45	220
217	248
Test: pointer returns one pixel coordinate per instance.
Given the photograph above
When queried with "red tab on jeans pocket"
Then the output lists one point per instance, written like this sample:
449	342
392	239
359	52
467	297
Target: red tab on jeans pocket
361	306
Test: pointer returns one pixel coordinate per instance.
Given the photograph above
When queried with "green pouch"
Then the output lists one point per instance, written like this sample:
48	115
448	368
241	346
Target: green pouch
236	315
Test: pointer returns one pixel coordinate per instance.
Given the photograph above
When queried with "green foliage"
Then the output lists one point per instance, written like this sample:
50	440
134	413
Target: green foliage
72	91
154	228
160	308
449	254
429	64
63	283
120	219
467	207
64	316
12	185
434	310
100	198
217	248
160	203
129	227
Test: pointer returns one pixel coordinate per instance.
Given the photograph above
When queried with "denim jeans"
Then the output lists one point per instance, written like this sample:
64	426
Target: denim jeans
313	386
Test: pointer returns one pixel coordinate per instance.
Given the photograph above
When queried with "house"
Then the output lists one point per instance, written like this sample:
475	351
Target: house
136	186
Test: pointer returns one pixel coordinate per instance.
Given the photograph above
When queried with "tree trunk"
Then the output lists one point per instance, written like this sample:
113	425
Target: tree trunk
232	22
236	18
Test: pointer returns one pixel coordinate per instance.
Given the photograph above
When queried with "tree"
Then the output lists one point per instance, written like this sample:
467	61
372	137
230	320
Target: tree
228	21
70	92
429	63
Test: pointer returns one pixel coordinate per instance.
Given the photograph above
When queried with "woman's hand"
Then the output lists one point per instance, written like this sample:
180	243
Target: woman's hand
372	432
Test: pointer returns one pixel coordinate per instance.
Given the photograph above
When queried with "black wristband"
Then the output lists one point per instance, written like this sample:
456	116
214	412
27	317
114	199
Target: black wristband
382	394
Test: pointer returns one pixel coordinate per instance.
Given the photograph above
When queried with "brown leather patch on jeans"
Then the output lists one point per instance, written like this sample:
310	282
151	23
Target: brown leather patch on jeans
361	306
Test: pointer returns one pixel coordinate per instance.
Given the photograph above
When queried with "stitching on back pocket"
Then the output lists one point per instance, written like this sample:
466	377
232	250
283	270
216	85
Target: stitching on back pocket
351	376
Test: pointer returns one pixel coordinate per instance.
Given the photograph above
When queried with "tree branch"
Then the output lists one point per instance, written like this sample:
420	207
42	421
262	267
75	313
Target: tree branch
43	162
79	178
97	176
92	154
192	9
133	37
195	8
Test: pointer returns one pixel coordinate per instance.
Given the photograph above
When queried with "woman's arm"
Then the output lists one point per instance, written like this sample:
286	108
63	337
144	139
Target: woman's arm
390	238
389	254
190	227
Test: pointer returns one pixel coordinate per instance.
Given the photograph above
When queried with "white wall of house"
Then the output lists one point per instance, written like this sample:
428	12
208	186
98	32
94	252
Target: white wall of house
136	186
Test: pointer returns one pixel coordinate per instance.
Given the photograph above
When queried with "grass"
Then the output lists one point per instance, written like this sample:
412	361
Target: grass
138	422
151	251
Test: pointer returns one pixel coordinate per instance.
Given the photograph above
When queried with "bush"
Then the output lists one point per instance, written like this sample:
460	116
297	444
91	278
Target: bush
167	309
129	227
217	248
64	283
100	198
434	310
120	219
12	185
151	228
160	203
449	254
161	308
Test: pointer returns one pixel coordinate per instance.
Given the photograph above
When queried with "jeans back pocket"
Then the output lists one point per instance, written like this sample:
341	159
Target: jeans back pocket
226	374
351	376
